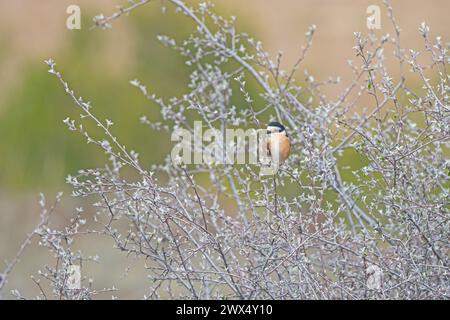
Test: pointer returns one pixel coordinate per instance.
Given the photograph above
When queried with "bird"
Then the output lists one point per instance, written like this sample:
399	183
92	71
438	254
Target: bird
278	144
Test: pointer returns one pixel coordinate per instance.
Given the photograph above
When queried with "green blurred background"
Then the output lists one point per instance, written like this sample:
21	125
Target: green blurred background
37	151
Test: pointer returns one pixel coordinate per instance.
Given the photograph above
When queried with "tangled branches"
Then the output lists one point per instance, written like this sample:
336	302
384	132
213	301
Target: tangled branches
384	234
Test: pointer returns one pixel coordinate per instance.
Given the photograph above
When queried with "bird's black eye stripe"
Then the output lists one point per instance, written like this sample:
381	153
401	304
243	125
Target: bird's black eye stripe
269	132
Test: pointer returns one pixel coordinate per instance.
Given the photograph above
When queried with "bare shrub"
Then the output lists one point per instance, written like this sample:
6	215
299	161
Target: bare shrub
382	235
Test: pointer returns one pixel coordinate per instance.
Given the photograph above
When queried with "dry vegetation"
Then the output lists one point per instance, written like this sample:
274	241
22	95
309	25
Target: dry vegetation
382	235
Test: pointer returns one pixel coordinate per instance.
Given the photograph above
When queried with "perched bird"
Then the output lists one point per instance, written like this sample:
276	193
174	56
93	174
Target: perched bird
278	145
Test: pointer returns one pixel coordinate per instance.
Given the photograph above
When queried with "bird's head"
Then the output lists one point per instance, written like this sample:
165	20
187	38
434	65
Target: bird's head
276	127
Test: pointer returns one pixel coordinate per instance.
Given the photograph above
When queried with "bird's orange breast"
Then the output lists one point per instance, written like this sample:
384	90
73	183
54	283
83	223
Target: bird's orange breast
278	143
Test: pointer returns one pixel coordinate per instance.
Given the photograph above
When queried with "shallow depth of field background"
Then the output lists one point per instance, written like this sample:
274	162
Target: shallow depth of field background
36	149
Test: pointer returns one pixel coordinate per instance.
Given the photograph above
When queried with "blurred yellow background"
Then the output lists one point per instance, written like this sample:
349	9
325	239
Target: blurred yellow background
37	151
